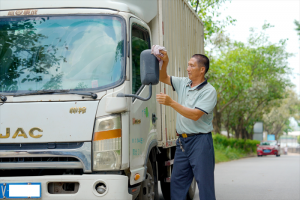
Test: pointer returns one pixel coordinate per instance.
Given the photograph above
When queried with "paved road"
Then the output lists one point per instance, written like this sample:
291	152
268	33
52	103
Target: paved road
263	178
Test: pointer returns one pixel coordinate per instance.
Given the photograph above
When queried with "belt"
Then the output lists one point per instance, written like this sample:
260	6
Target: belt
185	135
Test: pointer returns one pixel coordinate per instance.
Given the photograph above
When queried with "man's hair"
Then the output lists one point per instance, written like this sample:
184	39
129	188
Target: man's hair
202	60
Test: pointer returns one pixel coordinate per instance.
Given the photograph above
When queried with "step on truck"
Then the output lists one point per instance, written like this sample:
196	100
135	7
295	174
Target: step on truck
78	112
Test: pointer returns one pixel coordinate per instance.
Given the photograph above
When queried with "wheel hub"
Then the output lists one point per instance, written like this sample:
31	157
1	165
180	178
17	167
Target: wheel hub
147	188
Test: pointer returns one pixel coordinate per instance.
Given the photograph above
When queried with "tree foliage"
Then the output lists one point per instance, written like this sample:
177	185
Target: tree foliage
251	78
248	78
276	115
297	23
209	11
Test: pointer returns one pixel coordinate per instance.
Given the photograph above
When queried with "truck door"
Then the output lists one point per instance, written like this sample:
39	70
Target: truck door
142	130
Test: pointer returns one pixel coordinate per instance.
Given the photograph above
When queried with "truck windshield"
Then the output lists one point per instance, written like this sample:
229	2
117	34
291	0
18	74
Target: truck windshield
58	53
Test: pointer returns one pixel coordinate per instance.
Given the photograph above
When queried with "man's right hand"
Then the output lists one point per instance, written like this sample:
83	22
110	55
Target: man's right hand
164	57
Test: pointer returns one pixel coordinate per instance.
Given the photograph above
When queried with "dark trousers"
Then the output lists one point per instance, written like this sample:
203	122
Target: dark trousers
197	160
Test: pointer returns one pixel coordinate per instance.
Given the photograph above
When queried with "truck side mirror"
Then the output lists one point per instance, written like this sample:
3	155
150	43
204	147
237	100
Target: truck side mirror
149	71
149	68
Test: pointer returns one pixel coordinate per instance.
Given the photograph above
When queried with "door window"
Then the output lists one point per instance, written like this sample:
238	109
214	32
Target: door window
140	41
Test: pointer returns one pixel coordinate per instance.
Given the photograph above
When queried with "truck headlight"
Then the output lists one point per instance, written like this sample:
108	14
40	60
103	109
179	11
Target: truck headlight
107	143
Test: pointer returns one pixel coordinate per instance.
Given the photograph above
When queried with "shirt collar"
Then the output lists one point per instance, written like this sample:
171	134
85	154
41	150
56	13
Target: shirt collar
201	85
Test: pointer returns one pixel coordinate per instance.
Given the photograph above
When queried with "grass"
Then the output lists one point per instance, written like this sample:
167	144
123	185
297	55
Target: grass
224	154
227	149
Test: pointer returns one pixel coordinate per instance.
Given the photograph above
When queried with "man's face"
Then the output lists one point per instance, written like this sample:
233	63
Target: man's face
195	71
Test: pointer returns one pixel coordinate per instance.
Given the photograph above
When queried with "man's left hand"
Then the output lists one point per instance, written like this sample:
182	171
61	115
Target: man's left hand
164	99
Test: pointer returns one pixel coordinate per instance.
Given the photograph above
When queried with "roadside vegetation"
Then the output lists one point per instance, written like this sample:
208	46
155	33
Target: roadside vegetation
252	78
227	149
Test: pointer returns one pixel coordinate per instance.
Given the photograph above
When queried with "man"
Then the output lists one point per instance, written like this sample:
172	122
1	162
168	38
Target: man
194	156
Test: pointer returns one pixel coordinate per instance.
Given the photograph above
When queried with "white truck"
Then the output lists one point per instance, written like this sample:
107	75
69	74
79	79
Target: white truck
77	116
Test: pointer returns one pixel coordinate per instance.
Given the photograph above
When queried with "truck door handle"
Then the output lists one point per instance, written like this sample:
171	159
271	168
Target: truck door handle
154	118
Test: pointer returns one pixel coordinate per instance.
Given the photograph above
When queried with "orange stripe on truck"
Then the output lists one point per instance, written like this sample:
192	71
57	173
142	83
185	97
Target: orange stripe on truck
104	135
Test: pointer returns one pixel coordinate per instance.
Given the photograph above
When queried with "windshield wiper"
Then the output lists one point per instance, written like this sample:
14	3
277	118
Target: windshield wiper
41	92
91	94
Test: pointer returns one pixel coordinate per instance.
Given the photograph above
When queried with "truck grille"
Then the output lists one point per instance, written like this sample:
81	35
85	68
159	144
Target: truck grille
42	146
38	159
46	156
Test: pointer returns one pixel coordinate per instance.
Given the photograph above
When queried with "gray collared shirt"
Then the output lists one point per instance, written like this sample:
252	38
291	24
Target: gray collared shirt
202	97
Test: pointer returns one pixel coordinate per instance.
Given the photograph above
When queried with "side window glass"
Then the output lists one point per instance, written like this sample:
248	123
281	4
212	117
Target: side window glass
140	41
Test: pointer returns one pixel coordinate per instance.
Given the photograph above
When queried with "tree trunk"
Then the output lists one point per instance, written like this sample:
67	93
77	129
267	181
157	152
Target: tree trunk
246	134
251	135
239	129
242	132
217	121
227	129
236	132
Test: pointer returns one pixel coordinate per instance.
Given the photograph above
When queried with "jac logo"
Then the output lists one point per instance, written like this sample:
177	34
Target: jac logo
21	133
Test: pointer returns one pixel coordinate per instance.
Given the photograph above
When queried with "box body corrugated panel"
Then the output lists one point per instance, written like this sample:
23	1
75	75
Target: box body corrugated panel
180	30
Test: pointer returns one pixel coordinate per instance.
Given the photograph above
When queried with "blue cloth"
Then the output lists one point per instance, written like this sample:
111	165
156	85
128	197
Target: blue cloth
197	160
202	97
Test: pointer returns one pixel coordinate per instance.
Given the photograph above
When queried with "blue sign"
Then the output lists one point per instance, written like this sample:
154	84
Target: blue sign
271	137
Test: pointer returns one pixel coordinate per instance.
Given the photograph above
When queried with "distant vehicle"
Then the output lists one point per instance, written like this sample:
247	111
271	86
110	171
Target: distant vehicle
268	148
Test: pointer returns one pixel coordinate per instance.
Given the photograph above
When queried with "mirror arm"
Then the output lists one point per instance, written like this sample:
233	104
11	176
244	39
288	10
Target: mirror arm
136	96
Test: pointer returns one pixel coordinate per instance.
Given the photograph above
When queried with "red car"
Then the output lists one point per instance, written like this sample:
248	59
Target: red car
268	148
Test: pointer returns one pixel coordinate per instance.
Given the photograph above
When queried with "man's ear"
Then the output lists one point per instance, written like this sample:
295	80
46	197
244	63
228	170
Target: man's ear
203	69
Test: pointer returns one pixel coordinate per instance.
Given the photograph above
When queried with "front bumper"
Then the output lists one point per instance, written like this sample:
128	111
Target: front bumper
273	152
117	186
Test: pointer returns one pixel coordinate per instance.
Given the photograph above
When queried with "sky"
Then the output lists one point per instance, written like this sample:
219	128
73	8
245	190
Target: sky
280	13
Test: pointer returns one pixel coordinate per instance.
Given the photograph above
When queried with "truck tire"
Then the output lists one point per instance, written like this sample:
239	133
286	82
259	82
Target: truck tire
165	189
149	187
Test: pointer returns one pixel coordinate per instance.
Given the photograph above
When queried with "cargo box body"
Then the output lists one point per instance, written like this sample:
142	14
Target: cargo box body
181	31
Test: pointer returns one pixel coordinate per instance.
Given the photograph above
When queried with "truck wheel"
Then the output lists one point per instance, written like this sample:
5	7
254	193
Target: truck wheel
165	190
191	193
149	190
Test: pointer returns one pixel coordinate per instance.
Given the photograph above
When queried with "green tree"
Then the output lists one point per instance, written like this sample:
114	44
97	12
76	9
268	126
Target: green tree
277	114
297	23
209	11
247	78
230	75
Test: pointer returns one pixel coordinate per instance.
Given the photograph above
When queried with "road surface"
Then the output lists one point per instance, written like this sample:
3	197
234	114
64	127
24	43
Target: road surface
258	178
